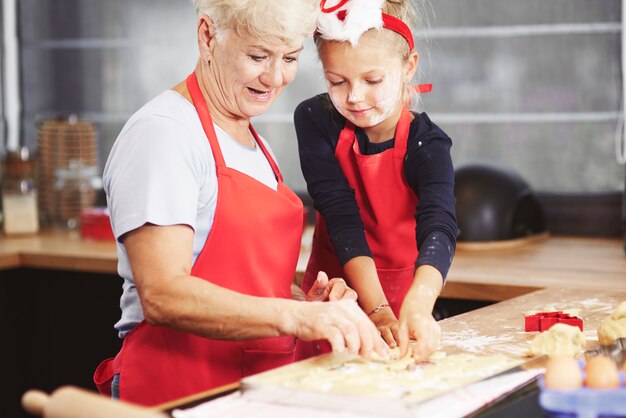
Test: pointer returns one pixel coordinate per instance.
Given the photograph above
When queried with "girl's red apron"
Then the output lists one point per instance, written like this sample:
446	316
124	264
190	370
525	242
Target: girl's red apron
252	248
387	206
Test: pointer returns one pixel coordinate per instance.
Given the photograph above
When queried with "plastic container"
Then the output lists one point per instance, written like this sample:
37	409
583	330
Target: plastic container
584	402
19	194
95	224
76	188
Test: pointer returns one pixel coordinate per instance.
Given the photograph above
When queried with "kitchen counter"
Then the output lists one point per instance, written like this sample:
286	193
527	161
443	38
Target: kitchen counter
48	278
58	250
491	274
497	329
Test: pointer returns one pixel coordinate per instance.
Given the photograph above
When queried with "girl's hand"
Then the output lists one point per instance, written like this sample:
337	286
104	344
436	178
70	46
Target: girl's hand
421	327
388	326
329	290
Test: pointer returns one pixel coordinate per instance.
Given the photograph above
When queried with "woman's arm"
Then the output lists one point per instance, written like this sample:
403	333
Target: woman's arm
161	262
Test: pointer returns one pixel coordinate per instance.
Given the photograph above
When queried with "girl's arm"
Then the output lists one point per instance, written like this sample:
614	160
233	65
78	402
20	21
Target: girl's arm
317	132
430	173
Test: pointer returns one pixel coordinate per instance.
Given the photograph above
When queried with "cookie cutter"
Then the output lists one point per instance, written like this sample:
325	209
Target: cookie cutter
542	321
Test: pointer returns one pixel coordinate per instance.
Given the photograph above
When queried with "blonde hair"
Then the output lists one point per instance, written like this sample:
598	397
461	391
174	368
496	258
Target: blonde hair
288	20
411	16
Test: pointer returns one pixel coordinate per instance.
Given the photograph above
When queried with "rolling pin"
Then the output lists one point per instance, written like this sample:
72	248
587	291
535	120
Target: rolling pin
72	402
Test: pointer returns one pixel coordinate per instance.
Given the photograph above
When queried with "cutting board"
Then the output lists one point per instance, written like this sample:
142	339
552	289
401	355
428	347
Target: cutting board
480	345
385	388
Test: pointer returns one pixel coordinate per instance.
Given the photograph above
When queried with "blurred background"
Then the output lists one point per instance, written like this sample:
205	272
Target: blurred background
533	86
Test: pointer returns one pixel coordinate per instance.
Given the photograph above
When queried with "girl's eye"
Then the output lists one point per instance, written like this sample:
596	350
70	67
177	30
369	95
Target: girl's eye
335	83
375	81
257	58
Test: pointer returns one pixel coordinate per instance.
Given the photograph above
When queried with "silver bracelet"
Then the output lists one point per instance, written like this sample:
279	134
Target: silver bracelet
378	308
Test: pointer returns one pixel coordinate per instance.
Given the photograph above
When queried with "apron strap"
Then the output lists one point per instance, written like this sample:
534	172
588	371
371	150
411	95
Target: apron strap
207	124
205	118
402	133
275	168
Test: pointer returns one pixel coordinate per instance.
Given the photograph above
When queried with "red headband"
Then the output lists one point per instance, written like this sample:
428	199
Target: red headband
389	22
398	26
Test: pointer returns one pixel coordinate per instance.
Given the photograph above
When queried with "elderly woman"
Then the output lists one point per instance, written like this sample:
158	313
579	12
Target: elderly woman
208	234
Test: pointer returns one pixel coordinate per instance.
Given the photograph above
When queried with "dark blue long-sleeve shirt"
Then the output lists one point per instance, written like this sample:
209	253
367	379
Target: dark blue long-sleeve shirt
428	170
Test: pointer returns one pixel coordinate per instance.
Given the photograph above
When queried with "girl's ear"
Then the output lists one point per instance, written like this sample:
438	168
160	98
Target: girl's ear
206	37
410	66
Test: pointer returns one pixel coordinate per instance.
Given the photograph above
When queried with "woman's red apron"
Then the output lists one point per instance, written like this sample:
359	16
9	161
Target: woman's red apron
252	248
387	206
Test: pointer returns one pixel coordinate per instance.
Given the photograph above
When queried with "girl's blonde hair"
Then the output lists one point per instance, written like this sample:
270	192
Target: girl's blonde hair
288	20
411	16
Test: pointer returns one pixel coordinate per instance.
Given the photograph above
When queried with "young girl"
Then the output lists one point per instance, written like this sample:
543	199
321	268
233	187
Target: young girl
381	176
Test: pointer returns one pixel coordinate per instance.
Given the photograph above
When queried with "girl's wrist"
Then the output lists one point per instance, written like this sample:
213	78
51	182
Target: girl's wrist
422	298
378	308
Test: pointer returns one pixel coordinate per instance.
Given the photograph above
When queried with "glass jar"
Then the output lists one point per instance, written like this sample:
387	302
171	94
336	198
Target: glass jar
76	188
19	194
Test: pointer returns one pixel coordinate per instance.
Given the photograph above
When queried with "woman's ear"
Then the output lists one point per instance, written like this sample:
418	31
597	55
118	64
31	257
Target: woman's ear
206	37
410	66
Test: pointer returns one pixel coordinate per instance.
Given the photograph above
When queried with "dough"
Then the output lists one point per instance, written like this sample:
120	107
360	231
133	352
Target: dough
614	326
437	355
559	340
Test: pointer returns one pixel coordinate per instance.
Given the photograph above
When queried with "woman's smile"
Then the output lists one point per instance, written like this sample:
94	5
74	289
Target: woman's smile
261	95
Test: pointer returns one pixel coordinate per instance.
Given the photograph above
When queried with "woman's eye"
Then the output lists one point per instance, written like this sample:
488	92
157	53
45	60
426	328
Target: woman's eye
290	59
375	81
257	58
336	83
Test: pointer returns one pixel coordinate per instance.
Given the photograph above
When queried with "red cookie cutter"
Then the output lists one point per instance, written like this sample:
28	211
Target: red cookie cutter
542	321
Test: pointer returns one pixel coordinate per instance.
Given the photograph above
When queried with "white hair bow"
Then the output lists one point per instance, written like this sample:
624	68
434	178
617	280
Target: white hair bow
348	20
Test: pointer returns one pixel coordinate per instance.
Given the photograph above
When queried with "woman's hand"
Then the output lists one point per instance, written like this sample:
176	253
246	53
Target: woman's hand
342	323
388	326
329	290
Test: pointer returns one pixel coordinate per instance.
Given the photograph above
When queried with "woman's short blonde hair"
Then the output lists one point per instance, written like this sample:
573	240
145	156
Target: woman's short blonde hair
288	20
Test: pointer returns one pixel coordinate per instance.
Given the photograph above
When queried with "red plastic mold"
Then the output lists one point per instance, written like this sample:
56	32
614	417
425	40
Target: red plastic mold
542	321
95	224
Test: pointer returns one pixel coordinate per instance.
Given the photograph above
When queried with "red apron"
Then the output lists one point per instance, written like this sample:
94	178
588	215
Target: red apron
387	207
252	248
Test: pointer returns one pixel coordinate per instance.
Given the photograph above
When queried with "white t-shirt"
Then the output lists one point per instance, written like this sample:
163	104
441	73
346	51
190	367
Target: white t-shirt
161	171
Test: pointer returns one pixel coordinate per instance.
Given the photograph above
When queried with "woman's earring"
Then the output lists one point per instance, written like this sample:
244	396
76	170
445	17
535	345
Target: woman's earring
206	61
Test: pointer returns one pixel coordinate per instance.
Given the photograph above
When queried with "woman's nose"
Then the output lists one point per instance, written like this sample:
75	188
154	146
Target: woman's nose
273	76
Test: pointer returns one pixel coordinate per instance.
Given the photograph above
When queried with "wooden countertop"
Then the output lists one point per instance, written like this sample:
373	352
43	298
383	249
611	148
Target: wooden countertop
58	250
496	274
496	329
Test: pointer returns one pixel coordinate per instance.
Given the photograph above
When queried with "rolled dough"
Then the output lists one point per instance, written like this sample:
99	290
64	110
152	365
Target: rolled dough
559	340
613	326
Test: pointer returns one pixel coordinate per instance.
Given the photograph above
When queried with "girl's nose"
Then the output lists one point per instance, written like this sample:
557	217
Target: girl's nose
355	95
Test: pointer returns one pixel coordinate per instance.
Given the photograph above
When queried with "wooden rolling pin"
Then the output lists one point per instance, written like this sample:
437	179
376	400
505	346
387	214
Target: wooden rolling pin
72	402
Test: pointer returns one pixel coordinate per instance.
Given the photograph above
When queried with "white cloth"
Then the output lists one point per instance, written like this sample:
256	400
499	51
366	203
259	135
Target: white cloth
161	171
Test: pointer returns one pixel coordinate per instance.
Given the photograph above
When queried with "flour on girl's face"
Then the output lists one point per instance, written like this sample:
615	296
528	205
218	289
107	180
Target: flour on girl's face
364	82
388	96
381	99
